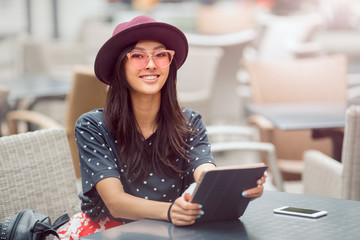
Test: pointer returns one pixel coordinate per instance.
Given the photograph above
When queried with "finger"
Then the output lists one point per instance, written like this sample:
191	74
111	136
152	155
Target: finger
183	223
186	211
262	180
184	202
187	197
187	217
184	214
254	192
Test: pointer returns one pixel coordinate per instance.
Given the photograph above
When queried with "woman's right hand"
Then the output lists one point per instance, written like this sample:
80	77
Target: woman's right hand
183	212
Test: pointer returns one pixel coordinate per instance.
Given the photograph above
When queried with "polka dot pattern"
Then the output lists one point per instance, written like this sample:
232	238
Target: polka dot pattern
99	160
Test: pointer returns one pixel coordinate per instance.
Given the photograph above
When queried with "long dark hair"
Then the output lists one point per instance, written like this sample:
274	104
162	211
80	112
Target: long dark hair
168	143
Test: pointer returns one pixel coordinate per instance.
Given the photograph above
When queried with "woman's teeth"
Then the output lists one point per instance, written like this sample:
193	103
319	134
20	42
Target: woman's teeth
149	77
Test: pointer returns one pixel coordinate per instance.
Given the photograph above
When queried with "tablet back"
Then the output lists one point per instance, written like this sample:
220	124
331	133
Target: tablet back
220	192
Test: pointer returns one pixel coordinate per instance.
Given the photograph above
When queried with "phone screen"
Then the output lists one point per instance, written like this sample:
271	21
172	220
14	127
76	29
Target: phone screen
300	210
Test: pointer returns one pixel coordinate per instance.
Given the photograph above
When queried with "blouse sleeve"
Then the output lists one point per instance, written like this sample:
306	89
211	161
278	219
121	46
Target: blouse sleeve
199	148
97	159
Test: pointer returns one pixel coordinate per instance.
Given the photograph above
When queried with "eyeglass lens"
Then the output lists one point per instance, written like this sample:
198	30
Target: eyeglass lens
161	59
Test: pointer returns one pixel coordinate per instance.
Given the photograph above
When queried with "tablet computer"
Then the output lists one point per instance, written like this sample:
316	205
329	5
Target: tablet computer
219	191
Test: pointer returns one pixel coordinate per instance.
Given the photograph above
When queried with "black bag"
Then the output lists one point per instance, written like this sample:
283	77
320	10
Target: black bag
30	225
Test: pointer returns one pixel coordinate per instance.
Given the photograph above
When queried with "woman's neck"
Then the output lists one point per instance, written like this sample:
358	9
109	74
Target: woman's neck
145	110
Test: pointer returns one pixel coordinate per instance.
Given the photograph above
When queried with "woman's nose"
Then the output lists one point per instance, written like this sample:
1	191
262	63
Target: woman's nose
151	64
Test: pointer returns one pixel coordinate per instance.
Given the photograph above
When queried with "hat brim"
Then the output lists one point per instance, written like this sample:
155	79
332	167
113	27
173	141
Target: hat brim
165	33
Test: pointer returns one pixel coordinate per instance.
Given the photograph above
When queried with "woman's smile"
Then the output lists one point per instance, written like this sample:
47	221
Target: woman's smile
151	78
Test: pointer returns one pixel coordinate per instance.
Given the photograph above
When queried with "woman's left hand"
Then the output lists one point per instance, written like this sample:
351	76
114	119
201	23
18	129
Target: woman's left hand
257	191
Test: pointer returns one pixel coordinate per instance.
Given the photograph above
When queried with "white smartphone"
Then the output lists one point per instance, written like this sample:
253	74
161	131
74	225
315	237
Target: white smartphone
302	212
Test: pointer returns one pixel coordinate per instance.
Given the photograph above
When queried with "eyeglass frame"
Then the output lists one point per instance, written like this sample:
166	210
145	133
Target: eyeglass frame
171	52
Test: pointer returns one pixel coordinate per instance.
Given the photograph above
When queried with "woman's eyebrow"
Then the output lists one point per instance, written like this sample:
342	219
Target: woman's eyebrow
156	48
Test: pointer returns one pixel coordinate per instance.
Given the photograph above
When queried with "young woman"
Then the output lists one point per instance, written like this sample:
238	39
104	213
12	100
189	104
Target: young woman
140	153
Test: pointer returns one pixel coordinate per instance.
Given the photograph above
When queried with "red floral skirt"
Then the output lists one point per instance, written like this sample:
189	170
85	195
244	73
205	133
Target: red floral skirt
81	225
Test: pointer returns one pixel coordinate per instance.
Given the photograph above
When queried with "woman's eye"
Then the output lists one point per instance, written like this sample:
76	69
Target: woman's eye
137	55
161	55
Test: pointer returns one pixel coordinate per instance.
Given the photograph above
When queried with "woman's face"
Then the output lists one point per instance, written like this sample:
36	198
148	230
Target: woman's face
150	79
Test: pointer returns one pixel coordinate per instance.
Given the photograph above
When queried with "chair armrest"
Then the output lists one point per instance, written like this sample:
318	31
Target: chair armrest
266	128
247	132
322	175
261	122
28	116
305	49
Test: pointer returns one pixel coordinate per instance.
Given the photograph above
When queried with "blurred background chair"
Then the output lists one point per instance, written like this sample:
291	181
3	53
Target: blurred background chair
236	145
354	87
286	37
196	79
221	17
233	45
280	38
317	79
16	117
4	92
86	93
36	173
35	56
46	60
325	176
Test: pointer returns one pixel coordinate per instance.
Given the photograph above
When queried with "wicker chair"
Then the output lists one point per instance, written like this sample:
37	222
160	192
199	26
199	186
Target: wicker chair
86	93
36	172
324	176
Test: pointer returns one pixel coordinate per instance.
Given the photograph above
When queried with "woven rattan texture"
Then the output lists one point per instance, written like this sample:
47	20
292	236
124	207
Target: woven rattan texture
36	172
351	155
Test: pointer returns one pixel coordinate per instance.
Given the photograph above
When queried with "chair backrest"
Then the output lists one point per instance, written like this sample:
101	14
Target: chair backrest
310	79
233	46
4	92
215	18
280	34
196	78
87	93
351	155
36	172
32	56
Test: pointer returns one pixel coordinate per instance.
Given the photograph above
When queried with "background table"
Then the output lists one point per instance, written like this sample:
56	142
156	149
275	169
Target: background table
298	116
258	222
36	86
31	89
325	119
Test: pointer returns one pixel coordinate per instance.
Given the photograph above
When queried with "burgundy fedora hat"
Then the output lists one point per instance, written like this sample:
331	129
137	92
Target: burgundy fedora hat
139	28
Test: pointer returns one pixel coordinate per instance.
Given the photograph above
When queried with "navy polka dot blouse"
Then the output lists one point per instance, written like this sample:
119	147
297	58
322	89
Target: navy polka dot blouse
99	159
